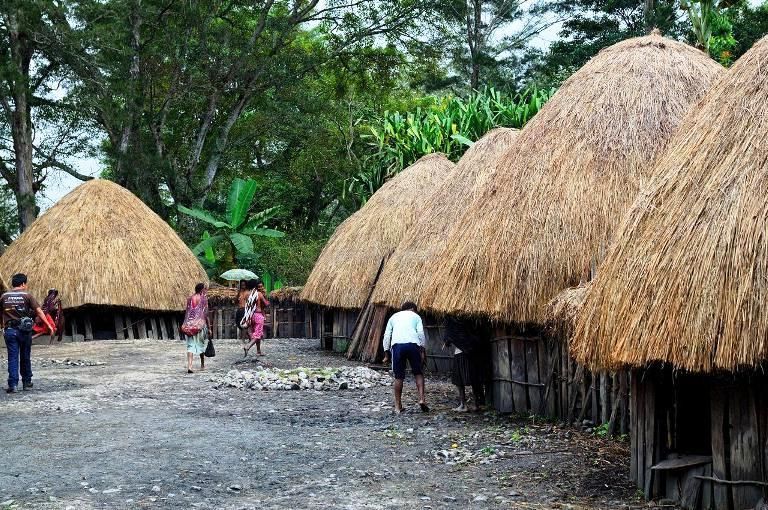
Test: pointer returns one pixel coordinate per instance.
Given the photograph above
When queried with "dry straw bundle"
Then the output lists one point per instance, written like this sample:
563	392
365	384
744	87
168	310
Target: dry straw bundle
349	263
560	191
286	295
100	245
563	311
404	276
686	281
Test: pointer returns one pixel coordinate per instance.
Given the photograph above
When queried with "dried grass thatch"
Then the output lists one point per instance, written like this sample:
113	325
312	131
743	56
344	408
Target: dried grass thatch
100	245
219	295
560	191
286	295
563	311
686	281
349	263
404	276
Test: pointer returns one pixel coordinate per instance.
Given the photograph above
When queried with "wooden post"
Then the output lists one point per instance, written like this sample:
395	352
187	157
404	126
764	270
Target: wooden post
88	327
74	328
119	333
128	327
163	327
535	393
153	324
219	323
143	329
605	407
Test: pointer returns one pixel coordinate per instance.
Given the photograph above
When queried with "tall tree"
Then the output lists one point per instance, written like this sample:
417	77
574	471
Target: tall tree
170	81
42	128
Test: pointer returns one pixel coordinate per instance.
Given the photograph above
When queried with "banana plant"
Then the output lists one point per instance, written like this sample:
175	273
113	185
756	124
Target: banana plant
232	236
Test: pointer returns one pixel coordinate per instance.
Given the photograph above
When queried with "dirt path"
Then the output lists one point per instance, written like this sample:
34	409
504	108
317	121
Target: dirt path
133	430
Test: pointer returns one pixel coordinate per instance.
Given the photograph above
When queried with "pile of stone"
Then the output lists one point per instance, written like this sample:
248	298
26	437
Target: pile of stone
321	379
72	362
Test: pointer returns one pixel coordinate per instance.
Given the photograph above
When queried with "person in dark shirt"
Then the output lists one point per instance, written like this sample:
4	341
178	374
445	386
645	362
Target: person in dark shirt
469	360
17	308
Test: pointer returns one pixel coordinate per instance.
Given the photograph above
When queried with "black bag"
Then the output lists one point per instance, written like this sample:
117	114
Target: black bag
210	352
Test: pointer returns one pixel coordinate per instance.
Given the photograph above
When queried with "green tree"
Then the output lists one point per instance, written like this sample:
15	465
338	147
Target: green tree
232	235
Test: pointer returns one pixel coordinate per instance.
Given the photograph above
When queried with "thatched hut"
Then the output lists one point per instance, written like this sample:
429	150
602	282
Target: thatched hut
404	277
121	270
681	299
349	265
543	223
290	317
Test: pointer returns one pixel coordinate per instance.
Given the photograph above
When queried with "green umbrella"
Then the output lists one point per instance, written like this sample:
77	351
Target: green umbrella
239	274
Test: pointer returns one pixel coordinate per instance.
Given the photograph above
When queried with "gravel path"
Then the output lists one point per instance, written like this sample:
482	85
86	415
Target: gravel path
121	425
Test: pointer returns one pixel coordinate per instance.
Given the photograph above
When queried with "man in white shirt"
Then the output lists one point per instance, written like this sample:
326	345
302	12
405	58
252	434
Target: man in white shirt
404	336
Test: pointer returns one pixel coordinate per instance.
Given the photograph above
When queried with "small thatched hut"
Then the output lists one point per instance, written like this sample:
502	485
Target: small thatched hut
681	298
290	318
349	265
404	277
543	223
121	270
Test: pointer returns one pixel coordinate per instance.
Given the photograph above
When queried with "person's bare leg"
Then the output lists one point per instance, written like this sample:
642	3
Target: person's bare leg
258	347
202	362
248	347
420	388
462	399
189	362
398	395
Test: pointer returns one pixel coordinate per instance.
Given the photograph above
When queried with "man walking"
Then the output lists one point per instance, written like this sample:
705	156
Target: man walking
405	337
17	307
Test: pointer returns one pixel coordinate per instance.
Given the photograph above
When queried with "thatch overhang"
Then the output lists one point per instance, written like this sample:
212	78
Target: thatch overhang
559	193
347	267
101	245
286	295
563	311
404	277
686	281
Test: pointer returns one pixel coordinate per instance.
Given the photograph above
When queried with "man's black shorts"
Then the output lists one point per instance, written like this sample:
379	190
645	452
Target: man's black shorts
402	352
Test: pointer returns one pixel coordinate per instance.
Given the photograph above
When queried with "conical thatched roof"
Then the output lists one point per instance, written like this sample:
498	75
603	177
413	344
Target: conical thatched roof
347	266
100	245
404	276
686	281
560	191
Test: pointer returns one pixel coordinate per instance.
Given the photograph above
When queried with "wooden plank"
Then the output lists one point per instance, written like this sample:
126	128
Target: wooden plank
605	407
563	354
504	401
535	394
163	327
745	448
636	433
719	415
88	328
128	324
518	373
624	380
153	324
119	333
74	328
547	374
691	497
595	397
142	327
652	439
684	461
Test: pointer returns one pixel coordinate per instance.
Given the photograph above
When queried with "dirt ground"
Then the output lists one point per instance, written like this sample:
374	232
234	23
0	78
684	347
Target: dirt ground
122	425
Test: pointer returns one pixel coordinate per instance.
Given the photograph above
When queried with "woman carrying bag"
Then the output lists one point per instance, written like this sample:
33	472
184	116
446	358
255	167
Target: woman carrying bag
196	326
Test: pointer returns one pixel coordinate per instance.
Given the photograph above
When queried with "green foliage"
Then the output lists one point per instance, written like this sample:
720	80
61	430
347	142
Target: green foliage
291	257
232	237
448	125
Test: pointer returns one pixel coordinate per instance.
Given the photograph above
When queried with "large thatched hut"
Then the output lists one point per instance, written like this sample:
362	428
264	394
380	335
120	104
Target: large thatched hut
542	224
681	299
404	276
349	265
121	270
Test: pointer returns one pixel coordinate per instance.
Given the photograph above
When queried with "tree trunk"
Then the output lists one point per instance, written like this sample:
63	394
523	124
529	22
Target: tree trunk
21	123
475	47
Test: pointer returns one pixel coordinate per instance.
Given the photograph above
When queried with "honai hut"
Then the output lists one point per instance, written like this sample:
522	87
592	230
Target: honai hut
289	314
121	271
682	300
404	277
543	223
348	267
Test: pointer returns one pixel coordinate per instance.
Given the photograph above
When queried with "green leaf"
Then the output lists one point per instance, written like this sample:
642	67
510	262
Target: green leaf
243	243
203	245
258	219
263	232
241	194
463	139
208	253
204	216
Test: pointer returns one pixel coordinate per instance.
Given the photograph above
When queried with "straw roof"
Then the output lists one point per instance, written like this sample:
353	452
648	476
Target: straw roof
560	191
404	277
563	311
286	294
219	295
349	263
686	281
100	245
